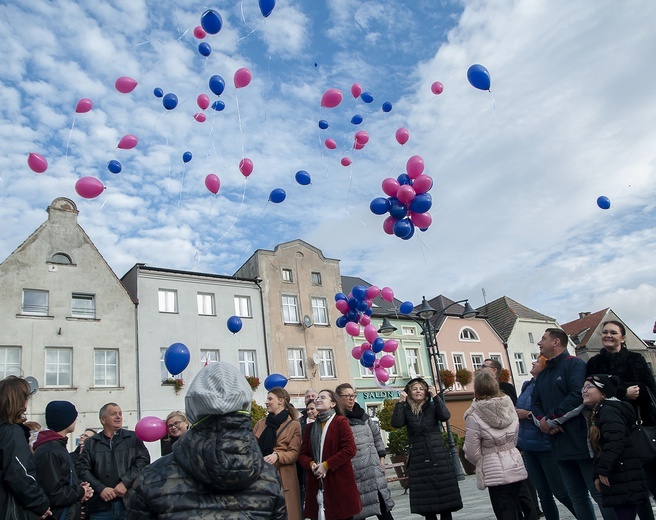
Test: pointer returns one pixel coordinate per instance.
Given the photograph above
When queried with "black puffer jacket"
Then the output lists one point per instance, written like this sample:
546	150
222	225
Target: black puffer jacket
618	460
216	470
433	483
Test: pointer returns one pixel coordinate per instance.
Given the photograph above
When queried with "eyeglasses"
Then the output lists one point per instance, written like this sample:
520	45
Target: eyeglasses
347	396
176	424
587	387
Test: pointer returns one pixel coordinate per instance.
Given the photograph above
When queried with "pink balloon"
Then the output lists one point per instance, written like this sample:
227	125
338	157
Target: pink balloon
365	320
200	117
150	429
125	85
370	333
361	137
213	183
356	352
365	346
246	166
199	32
89	187
388	225
414	167
356	90
83	105
372	292
330	144
422	184
369	302
342	306
331	98
352	329
203	101
421	220
387	294
345	161
357	146
37	162
128	142
387	361
382	375
437	88
406	194
390	187
402	136
390	345
242	78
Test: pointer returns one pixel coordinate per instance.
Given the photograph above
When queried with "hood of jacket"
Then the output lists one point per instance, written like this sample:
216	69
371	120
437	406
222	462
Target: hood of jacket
221	453
47	436
497	412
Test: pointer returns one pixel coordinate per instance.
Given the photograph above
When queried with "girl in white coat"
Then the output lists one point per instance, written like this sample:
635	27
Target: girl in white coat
490	443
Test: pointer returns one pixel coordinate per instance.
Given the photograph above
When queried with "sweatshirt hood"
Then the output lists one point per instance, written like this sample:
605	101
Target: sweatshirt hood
47	436
497	412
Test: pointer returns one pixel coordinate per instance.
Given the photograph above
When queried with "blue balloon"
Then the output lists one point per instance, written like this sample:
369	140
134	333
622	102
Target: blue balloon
352	316
234	324
362	306
204	49
412	232
211	21
266	6
603	202
403	228
356	119
323	124
404	178
275	381
421	203
217	84
359	292
176	358
369	311
186	157
353	302
114	166
367	97
218	105
170	101
377	345
379	206
387	106
406	308
340	296
479	77
398	210
303	177
277	196
341	322
158	92
368	358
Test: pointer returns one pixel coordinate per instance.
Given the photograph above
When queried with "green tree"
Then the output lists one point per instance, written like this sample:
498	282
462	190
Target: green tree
257	412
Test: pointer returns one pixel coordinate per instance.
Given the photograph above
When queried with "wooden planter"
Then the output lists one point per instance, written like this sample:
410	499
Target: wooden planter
398	463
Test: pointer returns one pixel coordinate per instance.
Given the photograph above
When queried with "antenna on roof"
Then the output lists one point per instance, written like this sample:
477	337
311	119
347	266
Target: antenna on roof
484	296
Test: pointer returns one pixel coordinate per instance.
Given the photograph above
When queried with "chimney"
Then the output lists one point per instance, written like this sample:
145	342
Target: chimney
583	314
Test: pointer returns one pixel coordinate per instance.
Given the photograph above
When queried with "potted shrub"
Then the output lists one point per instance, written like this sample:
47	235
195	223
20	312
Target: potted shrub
448	378
464	376
253	381
257	412
176	382
504	376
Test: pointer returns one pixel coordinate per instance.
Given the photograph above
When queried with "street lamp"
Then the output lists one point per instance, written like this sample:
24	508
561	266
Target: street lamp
386	327
425	312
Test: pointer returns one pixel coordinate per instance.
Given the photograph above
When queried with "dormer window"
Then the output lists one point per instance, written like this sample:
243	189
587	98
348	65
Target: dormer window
467	334
61	258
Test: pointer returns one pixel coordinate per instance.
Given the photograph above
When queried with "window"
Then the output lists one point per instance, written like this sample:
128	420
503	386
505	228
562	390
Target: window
519	363
477	361
287	275
247	363
534	356
365	372
326	363
497	357
408	331
168	300
315	278
412	359
35	302
441	362
243	307
163	372
289	309
205	304
9	361
83	306
58	367
458	362
467	334
105	367
530	337
207	357
295	363
372	410
61	258
319	311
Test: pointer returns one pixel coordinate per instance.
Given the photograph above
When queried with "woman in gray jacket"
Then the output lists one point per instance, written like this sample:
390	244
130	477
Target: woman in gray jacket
369	461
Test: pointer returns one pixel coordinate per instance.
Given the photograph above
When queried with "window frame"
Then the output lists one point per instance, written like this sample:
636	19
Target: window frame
38	308
239	311
326	363
105	364
409	352
457	366
316	310
475	364
287	275
296	363
315	278
5	366
287	306
531	339
246	364
66	260
408	330
201	303
83	297
204	353
520	363
163	309
469	331
58	364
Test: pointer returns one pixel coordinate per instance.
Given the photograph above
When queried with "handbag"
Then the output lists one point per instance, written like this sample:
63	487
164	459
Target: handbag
480	480
644	437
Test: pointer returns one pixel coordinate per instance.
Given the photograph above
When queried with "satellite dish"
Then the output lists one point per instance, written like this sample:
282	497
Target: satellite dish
307	321
316	358
34	384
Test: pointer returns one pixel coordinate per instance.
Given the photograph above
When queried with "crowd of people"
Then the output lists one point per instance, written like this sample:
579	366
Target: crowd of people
567	437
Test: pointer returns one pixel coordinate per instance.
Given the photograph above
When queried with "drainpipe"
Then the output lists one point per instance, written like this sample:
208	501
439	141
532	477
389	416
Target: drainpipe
136	342
258	281
512	377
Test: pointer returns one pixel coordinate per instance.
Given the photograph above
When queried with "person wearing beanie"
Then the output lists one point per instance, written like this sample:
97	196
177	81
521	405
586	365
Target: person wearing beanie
618	471
55	471
217	469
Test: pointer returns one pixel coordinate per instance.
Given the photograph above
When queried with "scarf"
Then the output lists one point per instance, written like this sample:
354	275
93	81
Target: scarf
416	407
357	412
267	440
315	434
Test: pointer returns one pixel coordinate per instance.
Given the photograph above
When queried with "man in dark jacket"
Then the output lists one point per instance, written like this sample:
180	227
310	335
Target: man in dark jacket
557	404
110	461
216	469
55	472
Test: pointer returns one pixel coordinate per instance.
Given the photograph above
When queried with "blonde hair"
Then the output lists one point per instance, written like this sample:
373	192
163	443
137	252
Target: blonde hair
177	413
486	386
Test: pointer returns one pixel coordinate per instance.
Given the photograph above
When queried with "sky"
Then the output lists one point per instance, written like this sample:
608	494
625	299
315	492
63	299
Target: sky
516	171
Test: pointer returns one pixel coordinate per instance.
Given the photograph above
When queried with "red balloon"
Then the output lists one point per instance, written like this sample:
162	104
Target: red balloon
125	84
388	225
242	78
89	187
402	136
246	166
128	142
199	32
83	105
330	144
200	117
150	429
421	220
390	187
37	162
356	90
346	161
437	88
361	137
213	183
422	183
357	146
406	194
414	167
331	98
203	101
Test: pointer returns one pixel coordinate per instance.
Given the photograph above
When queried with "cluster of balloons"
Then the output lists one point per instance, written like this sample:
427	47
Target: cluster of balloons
407	201
356	309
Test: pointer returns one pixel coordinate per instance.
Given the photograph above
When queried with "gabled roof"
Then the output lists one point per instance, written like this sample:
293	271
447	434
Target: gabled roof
504	312
380	306
440	303
581	330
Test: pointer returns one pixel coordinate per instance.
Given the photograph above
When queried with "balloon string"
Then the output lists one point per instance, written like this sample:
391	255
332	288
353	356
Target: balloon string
70	134
252	31
241	130
243	18
184	170
248	240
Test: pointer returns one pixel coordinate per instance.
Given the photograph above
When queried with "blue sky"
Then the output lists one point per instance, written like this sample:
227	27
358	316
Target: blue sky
516	171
